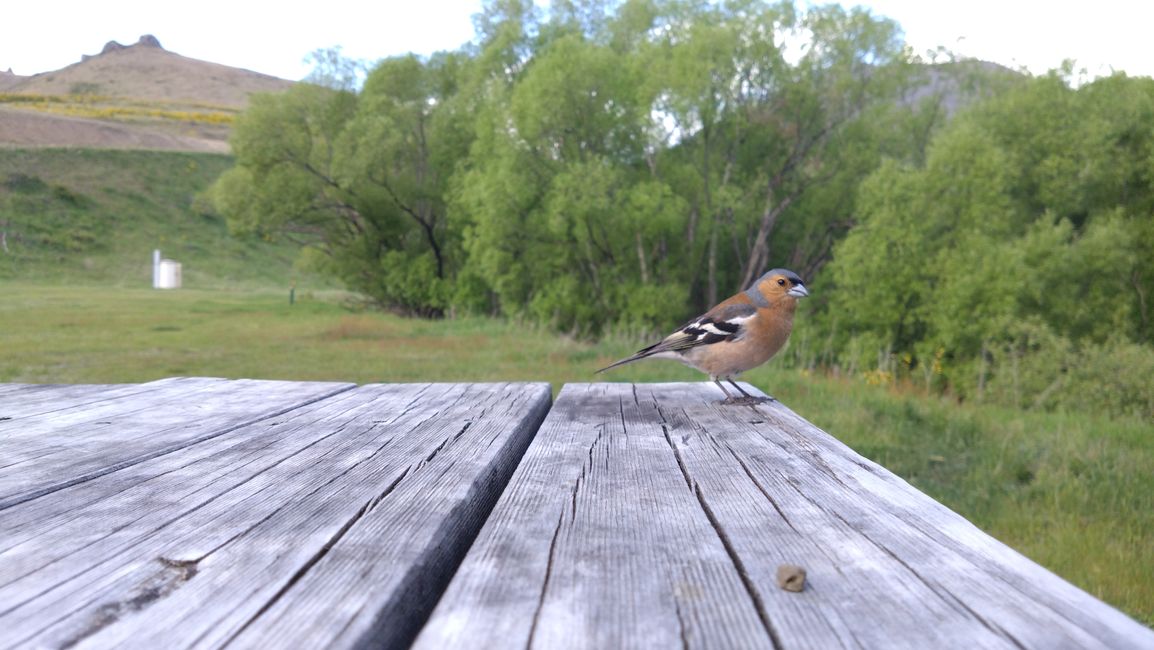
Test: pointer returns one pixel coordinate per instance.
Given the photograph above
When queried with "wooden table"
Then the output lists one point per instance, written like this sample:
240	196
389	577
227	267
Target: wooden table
206	513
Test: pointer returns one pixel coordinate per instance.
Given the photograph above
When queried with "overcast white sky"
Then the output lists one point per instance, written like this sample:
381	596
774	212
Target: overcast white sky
274	38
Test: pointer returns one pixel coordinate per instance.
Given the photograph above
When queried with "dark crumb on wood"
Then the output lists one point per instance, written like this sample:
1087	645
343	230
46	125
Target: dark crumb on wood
791	577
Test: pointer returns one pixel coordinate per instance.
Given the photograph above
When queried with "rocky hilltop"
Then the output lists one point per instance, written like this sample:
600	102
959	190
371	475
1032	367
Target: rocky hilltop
145	70
138	96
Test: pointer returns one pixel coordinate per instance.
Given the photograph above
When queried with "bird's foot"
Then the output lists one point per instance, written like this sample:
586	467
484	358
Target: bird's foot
745	400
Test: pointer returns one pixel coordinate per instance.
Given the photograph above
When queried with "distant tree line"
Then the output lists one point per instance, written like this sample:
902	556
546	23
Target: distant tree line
623	165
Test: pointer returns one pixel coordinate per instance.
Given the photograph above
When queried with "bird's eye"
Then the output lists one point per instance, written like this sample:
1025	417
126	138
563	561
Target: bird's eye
781	282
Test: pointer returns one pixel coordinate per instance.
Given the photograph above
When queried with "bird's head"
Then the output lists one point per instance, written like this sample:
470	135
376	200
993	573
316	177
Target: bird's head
778	283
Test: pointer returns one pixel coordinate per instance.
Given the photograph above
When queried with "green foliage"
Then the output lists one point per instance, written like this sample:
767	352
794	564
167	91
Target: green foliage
358	177
1006	251
609	165
621	166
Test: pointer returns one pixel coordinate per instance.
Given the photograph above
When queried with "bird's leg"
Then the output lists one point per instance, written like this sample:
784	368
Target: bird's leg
738	387
729	399
747	398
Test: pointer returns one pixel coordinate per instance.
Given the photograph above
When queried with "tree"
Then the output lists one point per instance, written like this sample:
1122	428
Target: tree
359	178
557	213
765	127
1020	240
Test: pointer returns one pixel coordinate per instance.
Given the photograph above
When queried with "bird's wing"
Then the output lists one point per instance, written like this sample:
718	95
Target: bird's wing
722	324
725	323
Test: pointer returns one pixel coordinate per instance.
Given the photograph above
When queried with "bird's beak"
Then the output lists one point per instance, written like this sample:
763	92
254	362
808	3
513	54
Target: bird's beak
798	291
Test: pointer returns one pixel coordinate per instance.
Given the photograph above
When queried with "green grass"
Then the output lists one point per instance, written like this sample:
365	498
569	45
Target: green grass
94	217
80	335
1073	492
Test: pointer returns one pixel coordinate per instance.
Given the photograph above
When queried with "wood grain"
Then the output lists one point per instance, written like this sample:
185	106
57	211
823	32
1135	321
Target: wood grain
651	516
334	524
56	436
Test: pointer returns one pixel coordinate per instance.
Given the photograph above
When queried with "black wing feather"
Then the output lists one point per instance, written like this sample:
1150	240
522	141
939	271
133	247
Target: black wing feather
724	325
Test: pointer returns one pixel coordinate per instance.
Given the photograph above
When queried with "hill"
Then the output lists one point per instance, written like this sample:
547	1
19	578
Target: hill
8	79
147	71
32	128
84	216
129	97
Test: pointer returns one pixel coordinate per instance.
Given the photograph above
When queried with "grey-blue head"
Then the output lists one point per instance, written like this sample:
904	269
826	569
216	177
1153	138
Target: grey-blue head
776	283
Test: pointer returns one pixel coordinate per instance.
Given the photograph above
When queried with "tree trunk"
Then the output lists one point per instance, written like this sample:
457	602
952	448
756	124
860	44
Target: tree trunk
641	258
711	288
759	253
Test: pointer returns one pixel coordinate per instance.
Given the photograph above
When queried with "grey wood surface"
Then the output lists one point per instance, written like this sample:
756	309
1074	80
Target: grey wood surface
651	517
319	515
56	436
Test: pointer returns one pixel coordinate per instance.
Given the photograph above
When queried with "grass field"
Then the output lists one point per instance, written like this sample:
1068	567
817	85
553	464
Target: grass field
94	217
1075	493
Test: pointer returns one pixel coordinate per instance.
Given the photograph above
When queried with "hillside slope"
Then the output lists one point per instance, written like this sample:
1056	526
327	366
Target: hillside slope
76	216
29	128
148	71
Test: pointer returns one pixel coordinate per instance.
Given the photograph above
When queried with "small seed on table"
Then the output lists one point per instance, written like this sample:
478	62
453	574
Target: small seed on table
791	577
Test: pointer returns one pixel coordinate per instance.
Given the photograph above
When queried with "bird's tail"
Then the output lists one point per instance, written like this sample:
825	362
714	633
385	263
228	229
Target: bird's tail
636	356
620	363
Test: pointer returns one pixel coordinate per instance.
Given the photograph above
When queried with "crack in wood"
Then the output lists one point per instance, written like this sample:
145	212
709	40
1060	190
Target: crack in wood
677	457
278	509
937	589
739	566
921	526
465	428
760	488
162	451
493	439
726	543
433	454
681	631
156	529
187	569
388	489
311	561
576	488
801	446
600	433
545	582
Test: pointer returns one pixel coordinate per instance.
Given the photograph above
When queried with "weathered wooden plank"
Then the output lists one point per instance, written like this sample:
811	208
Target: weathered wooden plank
335	524
595	544
62	435
629	492
28	400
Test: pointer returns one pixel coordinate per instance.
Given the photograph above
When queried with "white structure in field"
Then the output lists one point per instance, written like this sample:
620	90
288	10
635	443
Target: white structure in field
165	273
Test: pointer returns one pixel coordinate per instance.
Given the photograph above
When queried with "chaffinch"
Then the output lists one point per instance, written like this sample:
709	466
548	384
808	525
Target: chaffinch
740	333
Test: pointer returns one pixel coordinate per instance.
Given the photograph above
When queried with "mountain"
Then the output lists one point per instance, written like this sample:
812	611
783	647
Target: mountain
147	71
139	96
8	79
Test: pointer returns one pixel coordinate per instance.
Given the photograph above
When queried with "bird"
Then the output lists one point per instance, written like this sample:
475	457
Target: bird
740	333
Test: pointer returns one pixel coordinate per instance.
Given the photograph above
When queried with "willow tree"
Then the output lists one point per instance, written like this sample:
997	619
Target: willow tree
357	177
1019	252
561	219
771	107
